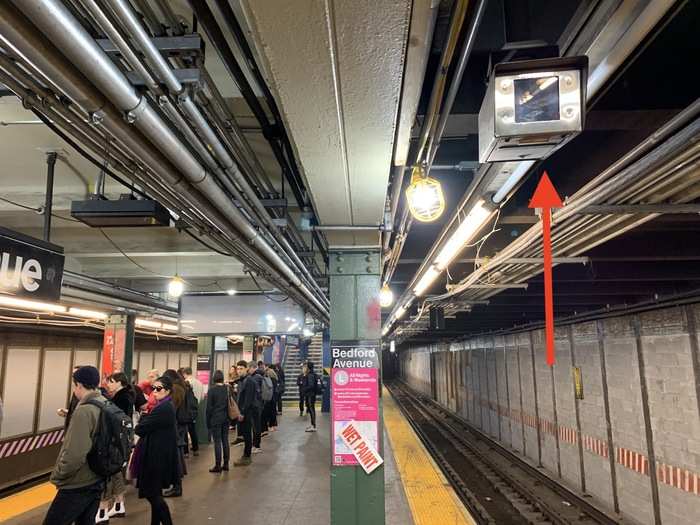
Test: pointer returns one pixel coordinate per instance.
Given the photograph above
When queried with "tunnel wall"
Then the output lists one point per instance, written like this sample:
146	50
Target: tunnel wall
640	378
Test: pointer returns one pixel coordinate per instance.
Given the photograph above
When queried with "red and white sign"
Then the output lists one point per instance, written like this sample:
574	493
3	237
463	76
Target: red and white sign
363	450
354	399
113	350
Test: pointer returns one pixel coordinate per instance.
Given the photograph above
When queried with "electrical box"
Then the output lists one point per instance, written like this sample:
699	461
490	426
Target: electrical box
531	108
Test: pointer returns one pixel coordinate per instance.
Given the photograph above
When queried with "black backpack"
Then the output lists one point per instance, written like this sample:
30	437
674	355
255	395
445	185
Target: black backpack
112	441
188	411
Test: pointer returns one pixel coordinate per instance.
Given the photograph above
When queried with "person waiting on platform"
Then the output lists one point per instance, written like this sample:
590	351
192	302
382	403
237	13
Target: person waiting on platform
280	387
122	395
156	463
301	381
79	488
310	390
179	399
256	375
270	387
68	412
217	421
198	391
147	388
249	407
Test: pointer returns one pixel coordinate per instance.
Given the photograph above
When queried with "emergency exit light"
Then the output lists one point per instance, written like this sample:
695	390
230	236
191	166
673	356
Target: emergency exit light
531	108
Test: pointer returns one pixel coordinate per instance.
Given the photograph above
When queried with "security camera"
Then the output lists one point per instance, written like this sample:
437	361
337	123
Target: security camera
531	108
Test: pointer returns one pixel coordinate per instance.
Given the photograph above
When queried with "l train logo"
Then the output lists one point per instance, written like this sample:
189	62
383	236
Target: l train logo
27	274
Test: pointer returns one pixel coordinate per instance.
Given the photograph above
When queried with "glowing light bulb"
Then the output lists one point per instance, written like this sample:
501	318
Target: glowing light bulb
176	287
425	198
386	296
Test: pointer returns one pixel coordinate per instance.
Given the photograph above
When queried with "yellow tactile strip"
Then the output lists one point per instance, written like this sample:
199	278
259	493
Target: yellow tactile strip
430	496
26	500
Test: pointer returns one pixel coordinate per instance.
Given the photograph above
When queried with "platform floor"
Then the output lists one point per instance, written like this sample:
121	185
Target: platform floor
289	483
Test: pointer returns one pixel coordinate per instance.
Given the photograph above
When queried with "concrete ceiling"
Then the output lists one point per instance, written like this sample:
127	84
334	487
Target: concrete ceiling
336	70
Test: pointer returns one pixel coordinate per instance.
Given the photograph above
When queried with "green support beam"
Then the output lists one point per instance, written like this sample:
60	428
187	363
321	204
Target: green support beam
356	498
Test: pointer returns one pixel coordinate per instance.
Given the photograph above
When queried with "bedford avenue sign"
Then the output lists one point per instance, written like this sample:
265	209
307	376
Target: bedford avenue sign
30	268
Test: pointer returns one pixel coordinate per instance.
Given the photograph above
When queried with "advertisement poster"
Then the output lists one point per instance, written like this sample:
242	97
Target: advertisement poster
354	398
113	348
204	369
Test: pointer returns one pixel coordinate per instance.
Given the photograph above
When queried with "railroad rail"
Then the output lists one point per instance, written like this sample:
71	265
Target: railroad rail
496	485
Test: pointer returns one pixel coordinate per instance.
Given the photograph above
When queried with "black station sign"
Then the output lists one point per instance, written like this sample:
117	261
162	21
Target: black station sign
30	268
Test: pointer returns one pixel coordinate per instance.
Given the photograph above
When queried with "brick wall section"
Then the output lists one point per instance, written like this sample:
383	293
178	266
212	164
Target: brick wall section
626	415
546	405
671	380
566	410
673	409
592	411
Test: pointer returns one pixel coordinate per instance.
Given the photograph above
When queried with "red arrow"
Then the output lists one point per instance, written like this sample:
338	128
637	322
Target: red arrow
546	197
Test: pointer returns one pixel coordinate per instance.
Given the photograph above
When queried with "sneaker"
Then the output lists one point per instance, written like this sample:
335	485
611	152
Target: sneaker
237	441
173	492
257	450
310	429
102	516
215	470
118	510
244	461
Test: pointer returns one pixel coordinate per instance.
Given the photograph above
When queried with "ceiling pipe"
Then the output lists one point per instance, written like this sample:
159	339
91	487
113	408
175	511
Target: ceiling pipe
125	14
64	30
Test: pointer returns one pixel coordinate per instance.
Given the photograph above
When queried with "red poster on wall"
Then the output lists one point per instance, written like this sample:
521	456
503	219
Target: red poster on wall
113	350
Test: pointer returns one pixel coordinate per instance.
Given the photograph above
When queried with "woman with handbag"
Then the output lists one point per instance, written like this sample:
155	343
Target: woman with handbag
218	421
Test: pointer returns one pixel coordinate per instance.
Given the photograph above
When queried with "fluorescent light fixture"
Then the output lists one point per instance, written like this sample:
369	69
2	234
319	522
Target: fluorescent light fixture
25	304
176	287
90	314
386	296
519	171
145	323
428	278
171	327
461	236
231	291
392	346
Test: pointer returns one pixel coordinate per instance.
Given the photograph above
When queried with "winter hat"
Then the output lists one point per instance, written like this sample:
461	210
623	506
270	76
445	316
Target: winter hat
88	376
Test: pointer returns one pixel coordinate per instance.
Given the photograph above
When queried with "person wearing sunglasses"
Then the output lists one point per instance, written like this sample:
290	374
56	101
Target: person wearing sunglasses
156	464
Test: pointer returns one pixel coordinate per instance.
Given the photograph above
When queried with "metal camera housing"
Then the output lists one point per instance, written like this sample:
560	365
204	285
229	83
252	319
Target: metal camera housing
531	108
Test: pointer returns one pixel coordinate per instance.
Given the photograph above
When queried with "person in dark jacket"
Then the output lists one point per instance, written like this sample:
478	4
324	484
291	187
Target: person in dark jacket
156	464
281	386
178	394
122	395
68	412
217	421
310	380
249	406
301	381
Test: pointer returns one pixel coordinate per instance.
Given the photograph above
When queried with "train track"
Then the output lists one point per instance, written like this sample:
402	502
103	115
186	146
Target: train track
495	485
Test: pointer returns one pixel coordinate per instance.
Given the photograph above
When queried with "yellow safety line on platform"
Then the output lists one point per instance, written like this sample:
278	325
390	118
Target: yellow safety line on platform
26	500
430	496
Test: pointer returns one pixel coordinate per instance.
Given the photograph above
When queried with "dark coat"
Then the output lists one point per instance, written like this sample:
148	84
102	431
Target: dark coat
158	455
217	405
250	394
124	399
309	387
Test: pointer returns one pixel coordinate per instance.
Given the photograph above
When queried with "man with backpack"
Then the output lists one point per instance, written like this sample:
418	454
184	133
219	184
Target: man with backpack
249	403
312	387
79	486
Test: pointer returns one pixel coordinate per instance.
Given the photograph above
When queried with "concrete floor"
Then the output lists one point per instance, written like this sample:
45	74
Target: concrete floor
288	484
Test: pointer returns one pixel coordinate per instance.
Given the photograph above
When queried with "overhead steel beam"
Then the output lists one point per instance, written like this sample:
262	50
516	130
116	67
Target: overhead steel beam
171	45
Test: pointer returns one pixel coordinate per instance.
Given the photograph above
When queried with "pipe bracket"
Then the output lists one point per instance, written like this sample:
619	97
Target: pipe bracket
135	113
96	117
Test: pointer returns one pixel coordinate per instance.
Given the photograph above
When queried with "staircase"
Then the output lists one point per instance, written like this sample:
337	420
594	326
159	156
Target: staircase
292	365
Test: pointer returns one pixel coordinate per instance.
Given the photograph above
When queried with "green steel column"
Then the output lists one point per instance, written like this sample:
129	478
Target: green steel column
356	498
129	345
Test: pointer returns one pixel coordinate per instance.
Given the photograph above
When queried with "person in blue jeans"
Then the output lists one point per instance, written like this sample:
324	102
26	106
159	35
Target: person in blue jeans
217	421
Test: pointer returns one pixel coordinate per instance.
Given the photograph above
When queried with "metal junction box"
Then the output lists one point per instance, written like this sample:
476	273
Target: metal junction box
531	108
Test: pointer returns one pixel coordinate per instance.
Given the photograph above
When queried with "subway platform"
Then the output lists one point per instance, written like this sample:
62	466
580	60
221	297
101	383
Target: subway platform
287	484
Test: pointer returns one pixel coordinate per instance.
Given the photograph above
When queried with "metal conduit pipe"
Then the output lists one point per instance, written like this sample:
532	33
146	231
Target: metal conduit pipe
54	20
51	64
76	126
128	18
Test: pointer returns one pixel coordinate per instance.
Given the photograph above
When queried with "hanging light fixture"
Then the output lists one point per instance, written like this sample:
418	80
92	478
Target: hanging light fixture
176	286
386	297
424	195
